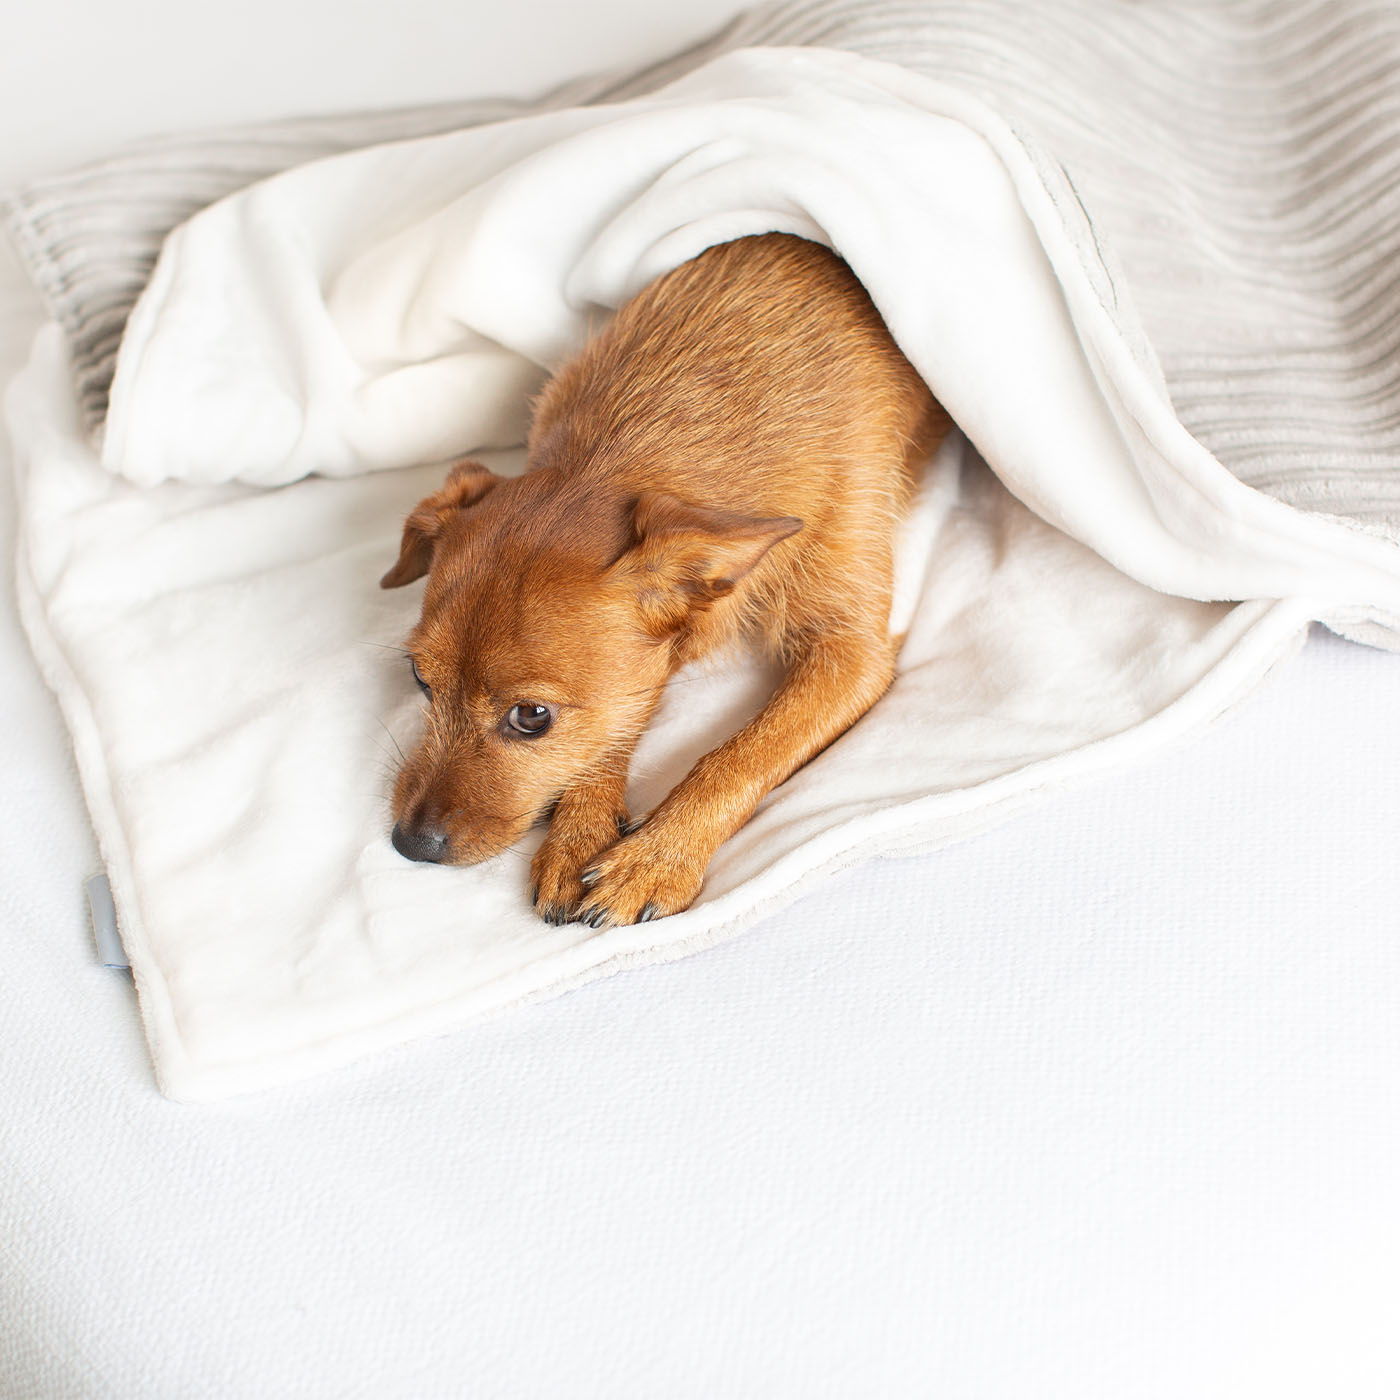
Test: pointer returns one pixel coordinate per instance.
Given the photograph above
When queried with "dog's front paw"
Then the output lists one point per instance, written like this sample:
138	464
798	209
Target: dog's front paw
646	875
578	832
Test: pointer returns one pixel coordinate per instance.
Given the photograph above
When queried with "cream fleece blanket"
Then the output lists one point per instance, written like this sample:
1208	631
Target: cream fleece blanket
209	613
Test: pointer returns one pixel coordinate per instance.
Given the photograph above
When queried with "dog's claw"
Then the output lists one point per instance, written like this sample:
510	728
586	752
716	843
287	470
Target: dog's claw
589	877
535	895
647	915
623	825
636	824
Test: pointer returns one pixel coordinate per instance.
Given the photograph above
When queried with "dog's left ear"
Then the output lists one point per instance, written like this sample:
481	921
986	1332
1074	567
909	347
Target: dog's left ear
466	484
688	556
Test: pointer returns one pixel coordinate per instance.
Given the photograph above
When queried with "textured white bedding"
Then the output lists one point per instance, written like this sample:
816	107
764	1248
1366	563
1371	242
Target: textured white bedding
1099	1104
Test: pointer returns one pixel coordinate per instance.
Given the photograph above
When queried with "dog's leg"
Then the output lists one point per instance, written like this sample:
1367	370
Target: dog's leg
588	818
659	869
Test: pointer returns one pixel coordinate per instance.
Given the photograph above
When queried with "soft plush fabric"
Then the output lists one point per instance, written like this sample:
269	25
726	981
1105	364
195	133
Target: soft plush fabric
225	658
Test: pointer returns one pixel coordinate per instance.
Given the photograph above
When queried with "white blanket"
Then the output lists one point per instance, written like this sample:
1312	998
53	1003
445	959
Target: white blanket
220	647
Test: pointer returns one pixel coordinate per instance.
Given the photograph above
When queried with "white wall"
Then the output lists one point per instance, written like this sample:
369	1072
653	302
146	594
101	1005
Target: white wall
78	77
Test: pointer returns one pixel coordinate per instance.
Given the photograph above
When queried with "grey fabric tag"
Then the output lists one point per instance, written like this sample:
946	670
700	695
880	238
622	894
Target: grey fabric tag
110	952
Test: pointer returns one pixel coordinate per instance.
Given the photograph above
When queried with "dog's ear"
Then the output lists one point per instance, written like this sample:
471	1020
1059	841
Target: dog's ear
688	556
466	484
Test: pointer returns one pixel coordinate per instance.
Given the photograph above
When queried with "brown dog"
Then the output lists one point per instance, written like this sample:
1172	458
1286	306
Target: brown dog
729	457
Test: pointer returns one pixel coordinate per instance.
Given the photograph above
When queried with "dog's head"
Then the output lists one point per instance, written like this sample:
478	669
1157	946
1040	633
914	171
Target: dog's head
550	624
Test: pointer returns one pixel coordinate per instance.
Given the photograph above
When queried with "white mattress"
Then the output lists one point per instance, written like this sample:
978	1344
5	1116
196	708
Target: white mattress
1098	1104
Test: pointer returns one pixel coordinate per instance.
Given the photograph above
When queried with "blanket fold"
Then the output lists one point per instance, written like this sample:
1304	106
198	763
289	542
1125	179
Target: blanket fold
1087	267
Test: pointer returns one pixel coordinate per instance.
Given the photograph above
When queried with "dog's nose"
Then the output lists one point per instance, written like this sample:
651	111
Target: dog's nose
426	842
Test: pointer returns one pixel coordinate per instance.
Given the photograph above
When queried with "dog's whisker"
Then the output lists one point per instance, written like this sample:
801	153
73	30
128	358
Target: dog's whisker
392	740
385	770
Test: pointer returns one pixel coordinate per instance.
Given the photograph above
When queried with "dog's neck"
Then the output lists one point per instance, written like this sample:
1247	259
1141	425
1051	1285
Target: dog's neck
574	445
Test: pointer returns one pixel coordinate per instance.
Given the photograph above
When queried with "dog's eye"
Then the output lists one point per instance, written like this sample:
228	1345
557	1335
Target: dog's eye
418	676
529	720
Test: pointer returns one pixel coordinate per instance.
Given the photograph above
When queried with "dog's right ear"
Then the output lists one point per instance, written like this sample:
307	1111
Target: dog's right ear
466	484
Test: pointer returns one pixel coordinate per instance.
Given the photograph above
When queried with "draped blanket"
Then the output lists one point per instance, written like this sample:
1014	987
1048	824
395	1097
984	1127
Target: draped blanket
1142	254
